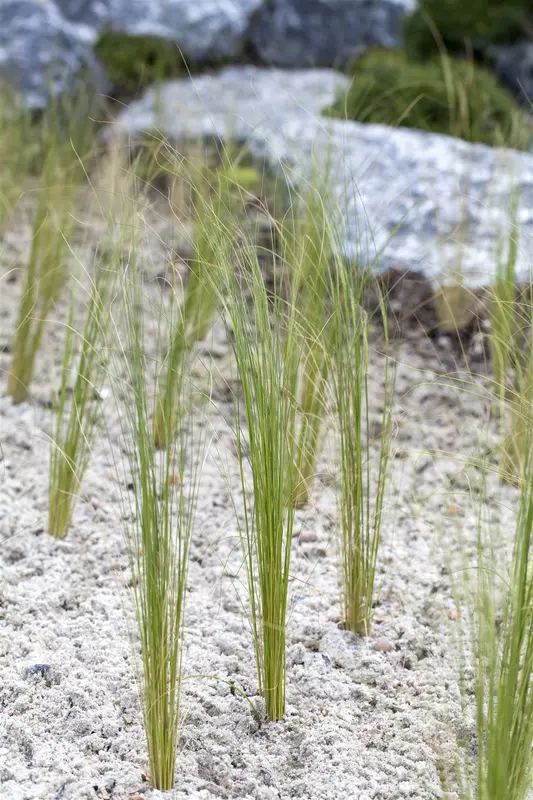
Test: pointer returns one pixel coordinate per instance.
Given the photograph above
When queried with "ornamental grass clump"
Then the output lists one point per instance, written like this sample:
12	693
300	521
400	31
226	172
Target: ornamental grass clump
498	603
510	319
266	349
443	95
504	310
214	194
164	487
16	153
196	314
362	465
66	144
78	407
306	237
134	62
458	26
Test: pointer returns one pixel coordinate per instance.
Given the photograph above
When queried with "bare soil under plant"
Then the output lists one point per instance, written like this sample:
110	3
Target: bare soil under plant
367	718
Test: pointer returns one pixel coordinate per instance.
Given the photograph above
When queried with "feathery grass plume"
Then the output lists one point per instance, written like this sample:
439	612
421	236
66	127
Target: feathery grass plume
457	25
67	139
16	152
163	502
306	239
445	95
504	310
362	481
195	317
515	418
510	320
211	200
76	422
263	330
498	604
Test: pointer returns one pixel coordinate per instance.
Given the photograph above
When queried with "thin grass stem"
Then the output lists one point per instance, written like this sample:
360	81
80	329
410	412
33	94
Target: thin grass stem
77	421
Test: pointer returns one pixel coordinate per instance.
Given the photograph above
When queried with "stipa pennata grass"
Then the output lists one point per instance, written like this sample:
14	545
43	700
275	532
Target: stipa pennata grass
498	598
306	238
362	465
195	315
158	533
263	331
78	406
17	151
219	193
78	409
46	270
510	320
504	312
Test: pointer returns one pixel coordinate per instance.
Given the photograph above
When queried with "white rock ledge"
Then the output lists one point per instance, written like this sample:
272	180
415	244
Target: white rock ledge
415	200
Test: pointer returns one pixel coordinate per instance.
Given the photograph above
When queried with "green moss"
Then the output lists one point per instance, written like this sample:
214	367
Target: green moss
444	95
134	62
466	23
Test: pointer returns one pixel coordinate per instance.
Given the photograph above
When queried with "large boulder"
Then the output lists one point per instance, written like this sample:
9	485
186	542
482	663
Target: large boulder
403	198
202	29
41	53
92	13
514	66
46	44
301	33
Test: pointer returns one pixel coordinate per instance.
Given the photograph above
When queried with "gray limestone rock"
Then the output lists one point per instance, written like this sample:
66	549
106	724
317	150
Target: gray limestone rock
92	13
514	66
402	197
46	44
41	53
310	33
202	29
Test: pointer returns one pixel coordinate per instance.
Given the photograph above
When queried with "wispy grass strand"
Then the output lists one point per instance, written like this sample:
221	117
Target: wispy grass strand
164	492
76	421
265	347
363	469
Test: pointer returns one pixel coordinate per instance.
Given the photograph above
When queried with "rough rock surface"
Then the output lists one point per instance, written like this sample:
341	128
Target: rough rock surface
309	33
93	13
41	53
421	201
514	66
44	45
203	29
54	37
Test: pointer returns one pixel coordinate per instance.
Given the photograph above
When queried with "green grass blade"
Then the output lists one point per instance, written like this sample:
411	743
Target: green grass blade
362	486
267	357
46	271
77	422
164	490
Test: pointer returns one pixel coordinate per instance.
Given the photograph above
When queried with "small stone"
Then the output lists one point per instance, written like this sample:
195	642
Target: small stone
317	552
452	510
455	307
382	645
214	350
422	463
307	536
39	671
296	654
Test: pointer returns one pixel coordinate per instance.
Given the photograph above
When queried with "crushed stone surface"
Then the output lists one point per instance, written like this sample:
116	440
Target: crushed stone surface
367	719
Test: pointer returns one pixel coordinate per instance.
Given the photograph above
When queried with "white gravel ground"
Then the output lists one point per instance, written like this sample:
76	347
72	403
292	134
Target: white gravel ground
366	719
